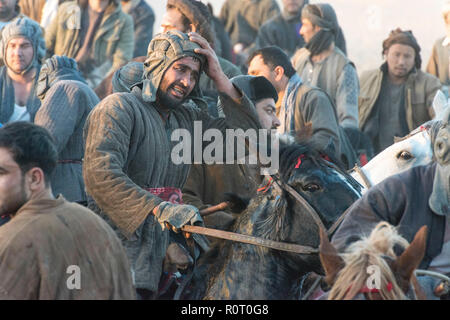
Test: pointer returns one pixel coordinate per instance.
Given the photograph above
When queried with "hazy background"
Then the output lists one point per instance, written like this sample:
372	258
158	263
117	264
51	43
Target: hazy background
366	23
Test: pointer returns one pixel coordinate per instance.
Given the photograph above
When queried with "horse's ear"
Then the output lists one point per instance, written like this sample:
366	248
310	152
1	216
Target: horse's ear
331	261
410	259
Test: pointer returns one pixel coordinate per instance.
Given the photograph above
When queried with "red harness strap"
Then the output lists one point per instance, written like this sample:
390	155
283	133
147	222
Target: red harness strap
171	194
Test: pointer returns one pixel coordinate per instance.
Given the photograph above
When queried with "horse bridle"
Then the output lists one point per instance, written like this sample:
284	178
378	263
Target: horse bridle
363	176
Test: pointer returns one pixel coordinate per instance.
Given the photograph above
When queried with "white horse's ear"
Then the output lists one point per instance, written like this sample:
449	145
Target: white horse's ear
440	104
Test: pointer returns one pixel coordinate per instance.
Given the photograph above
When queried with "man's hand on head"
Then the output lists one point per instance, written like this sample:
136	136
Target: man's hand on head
213	68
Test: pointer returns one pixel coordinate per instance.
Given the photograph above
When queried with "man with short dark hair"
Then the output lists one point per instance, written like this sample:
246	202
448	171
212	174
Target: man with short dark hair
299	104
322	62
51	248
194	16
397	97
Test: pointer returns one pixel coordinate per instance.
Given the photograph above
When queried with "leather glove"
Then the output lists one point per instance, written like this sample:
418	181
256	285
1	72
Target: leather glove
177	215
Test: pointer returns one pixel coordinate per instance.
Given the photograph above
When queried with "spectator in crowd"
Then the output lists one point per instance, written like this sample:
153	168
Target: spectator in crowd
9	10
51	248
22	48
397	97
66	101
96	33
322	63
439	65
128	169
143	19
207	184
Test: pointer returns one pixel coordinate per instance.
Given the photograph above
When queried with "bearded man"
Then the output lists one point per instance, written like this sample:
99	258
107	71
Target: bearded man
128	171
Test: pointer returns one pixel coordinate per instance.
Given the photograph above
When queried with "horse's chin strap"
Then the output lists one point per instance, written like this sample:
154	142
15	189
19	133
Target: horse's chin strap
363	176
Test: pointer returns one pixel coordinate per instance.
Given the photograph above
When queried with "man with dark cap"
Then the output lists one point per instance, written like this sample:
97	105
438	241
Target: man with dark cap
283	30
66	102
242	20
439	65
143	18
194	16
207	184
300	103
409	200
323	64
128	168
22	48
397	97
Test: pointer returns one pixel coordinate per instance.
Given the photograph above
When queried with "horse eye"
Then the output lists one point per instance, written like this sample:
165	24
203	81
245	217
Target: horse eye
312	187
404	155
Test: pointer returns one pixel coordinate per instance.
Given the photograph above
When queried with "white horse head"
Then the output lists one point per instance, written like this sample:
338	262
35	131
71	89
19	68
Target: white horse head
413	150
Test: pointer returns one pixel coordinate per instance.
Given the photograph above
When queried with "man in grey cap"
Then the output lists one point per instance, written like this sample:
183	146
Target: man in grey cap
130	177
66	103
322	62
409	200
22	49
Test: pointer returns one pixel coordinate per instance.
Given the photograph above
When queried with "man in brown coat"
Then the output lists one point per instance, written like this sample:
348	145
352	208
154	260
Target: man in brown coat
51	248
397	97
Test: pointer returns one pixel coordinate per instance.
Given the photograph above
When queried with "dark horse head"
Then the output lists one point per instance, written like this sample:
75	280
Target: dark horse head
243	271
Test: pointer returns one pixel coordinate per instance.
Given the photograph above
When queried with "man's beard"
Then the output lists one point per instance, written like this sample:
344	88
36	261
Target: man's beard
13	206
166	101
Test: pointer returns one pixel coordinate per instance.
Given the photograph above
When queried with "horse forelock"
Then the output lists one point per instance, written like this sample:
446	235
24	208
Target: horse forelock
375	250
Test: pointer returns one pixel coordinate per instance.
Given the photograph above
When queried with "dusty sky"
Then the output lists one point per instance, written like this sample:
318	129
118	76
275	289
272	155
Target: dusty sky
366	23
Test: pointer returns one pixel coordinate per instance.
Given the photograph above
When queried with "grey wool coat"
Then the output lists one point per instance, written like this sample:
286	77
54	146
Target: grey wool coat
128	149
63	112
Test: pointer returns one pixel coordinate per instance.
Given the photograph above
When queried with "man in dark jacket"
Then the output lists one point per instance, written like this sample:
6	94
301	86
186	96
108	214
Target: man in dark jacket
419	196
143	19
22	48
300	103
283	30
130	174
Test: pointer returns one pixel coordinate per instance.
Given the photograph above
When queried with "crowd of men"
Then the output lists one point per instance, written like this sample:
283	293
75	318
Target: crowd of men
89	98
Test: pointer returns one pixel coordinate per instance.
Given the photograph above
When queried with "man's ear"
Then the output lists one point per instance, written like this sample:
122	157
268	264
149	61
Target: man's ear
279	73
35	179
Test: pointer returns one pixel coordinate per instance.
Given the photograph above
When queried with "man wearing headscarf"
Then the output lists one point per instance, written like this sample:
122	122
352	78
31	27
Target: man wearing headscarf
128	170
409	200
397	97
283	30
439	65
22	48
323	64
143	19
97	34
66	102
192	15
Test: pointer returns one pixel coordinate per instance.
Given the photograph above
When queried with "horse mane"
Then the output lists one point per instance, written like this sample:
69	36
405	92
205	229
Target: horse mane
369	251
